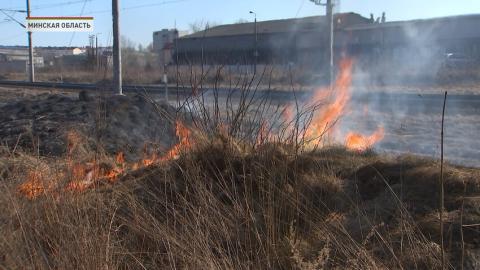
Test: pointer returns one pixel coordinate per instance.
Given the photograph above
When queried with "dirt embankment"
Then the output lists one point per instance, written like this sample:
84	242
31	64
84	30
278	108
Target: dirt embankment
42	123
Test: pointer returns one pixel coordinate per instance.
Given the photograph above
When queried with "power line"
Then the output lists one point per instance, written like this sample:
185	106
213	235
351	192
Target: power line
139	6
13	19
47	6
81	13
60	4
13	10
39	7
156	4
300	8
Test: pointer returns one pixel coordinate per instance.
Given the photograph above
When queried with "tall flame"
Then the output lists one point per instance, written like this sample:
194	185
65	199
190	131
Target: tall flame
325	118
329	105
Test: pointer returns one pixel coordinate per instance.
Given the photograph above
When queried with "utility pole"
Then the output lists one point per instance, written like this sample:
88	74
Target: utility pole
97	58
330	39
96	51
117	53
31	73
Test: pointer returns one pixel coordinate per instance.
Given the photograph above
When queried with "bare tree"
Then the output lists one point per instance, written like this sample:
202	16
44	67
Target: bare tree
242	20
127	44
201	25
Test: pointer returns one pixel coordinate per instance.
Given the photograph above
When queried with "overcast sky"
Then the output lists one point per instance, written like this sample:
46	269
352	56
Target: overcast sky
139	18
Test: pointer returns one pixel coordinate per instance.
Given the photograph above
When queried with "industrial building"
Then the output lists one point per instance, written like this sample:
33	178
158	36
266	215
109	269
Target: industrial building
52	54
15	60
277	41
302	41
163	43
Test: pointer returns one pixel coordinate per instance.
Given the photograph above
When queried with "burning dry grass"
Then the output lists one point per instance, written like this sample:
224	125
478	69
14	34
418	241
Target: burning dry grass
227	205
235	194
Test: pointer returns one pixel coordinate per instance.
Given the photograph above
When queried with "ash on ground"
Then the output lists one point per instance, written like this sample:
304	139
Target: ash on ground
128	124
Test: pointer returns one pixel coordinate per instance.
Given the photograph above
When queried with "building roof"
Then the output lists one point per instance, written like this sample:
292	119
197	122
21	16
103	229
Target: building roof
17	51
278	26
417	22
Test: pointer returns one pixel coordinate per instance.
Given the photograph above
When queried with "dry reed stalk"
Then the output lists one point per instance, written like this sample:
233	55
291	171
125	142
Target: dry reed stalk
442	191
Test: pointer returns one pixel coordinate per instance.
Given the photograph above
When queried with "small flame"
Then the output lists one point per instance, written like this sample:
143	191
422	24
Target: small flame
85	175
34	186
183	135
358	142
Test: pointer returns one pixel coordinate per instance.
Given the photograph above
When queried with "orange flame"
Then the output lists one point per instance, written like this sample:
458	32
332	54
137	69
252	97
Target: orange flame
358	142
324	119
34	186
89	176
183	134
332	103
85	175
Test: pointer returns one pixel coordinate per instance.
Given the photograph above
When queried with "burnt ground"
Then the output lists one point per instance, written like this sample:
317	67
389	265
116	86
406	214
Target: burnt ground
41	121
390	196
412	121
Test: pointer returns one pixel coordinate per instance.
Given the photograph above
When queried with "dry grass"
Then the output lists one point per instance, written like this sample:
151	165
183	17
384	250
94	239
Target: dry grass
236	202
224	205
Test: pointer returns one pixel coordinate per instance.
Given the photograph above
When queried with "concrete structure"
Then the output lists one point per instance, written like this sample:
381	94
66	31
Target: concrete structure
164	38
16	66
279	41
418	44
410	45
15	60
163	44
51	54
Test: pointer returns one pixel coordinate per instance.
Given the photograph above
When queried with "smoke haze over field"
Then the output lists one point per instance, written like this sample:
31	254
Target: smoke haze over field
141	18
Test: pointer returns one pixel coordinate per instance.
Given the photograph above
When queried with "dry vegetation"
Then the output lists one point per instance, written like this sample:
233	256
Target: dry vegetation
229	206
233	201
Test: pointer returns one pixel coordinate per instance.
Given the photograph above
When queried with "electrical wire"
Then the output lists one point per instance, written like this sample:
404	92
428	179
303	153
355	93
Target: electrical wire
14	10
300	8
61	4
13	19
81	13
138	6
39	7
48	6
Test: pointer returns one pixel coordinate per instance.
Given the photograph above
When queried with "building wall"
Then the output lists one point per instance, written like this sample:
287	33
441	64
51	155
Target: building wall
163	38
411	46
414	46
17	66
274	48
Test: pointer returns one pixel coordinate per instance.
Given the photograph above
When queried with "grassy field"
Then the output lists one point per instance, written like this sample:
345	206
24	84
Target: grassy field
224	207
235	191
281	77
224	204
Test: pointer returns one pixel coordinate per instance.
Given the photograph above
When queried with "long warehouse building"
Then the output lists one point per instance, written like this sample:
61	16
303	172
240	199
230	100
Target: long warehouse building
303	41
